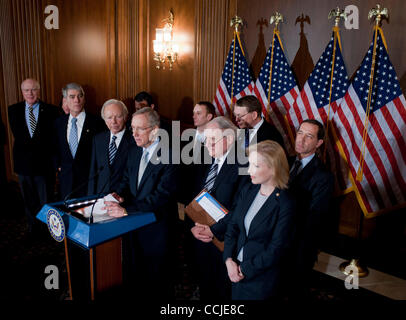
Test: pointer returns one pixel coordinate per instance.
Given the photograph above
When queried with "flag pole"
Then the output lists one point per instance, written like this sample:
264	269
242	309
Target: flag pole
276	18
337	14
378	13
235	22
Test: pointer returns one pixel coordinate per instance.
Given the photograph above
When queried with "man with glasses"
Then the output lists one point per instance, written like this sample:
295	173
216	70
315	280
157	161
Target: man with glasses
149	184
31	122
223	181
248	115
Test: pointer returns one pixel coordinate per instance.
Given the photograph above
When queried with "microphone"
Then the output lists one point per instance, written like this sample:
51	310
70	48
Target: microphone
99	170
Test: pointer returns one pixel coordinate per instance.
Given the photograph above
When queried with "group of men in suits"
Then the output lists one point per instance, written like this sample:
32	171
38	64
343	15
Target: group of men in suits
92	160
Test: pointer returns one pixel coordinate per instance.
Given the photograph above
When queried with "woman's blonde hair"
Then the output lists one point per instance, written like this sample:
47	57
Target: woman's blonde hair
275	158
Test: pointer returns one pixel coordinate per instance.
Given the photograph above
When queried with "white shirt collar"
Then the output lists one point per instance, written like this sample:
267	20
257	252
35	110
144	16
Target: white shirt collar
151	148
256	127
220	161
81	118
306	160
119	136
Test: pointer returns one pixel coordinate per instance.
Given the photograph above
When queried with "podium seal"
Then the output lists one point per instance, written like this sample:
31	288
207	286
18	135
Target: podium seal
55	225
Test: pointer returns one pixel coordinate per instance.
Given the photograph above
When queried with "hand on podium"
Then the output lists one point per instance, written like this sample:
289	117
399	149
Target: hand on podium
202	232
113	208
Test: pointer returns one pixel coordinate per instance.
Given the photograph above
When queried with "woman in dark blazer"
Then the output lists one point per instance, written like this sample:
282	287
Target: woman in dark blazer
260	232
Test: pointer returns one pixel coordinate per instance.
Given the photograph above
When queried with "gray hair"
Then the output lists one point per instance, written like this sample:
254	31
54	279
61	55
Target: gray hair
152	116
72	86
224	124
117	102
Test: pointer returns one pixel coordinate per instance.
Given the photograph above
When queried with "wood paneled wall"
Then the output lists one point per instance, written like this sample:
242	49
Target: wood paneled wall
106	46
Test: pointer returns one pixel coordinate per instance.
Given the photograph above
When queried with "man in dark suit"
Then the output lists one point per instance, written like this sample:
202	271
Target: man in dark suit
223	180
110	148
248	115
31	122
313	186
149	185
75	132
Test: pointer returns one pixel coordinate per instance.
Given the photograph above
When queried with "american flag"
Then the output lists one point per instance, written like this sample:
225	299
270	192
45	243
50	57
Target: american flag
235	81
315	101
283	93
382	149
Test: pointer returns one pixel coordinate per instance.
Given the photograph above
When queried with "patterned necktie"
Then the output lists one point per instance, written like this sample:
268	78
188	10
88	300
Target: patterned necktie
211	177
33	122
295	169
143	165
73	137
112	149
247	137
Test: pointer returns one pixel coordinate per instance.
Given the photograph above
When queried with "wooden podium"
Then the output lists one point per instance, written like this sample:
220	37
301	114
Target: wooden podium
101	239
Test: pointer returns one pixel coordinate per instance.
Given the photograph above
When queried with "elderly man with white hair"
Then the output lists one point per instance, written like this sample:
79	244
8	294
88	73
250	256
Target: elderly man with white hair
109	152
31	122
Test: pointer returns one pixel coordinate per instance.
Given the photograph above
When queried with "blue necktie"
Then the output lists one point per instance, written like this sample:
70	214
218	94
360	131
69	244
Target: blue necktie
211	177
112	149
73	137
247	137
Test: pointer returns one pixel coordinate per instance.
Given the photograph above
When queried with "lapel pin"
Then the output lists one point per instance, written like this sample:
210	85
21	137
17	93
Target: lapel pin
277	194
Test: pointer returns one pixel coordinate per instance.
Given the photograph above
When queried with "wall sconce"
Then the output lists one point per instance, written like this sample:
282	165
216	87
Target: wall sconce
165	48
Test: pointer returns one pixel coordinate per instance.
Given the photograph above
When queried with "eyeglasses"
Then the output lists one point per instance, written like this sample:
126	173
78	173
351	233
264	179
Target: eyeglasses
210	141
140	129
237	116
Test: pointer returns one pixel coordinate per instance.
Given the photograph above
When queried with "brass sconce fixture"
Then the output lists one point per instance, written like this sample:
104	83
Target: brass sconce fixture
165	48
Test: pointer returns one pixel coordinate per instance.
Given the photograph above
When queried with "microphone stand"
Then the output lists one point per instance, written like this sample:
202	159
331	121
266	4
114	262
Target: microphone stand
82	185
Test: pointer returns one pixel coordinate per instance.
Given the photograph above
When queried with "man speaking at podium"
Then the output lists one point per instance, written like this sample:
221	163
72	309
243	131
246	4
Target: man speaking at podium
148	185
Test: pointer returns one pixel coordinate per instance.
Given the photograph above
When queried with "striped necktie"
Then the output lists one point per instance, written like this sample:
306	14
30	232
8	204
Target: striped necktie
73	137
33	122
211	177
112	149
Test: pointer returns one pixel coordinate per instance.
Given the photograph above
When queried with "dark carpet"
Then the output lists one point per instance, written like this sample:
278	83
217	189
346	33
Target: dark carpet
25	258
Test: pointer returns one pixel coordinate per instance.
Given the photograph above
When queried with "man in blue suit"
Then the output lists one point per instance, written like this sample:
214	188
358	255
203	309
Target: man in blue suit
110	148
149	184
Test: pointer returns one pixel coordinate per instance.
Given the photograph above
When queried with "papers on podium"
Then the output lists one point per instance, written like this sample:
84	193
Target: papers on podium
205	209
99	211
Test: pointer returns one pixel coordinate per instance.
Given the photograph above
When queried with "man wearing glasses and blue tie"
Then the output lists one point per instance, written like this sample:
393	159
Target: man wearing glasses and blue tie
248	116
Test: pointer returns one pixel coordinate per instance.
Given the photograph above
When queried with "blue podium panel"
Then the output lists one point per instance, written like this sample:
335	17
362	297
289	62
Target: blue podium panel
90	235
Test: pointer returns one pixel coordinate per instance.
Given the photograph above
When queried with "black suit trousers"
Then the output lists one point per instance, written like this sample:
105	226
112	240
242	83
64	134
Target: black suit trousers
36	191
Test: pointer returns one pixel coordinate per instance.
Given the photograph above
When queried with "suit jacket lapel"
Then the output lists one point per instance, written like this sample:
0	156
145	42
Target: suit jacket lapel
267	208
123	145
251	194
150	167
